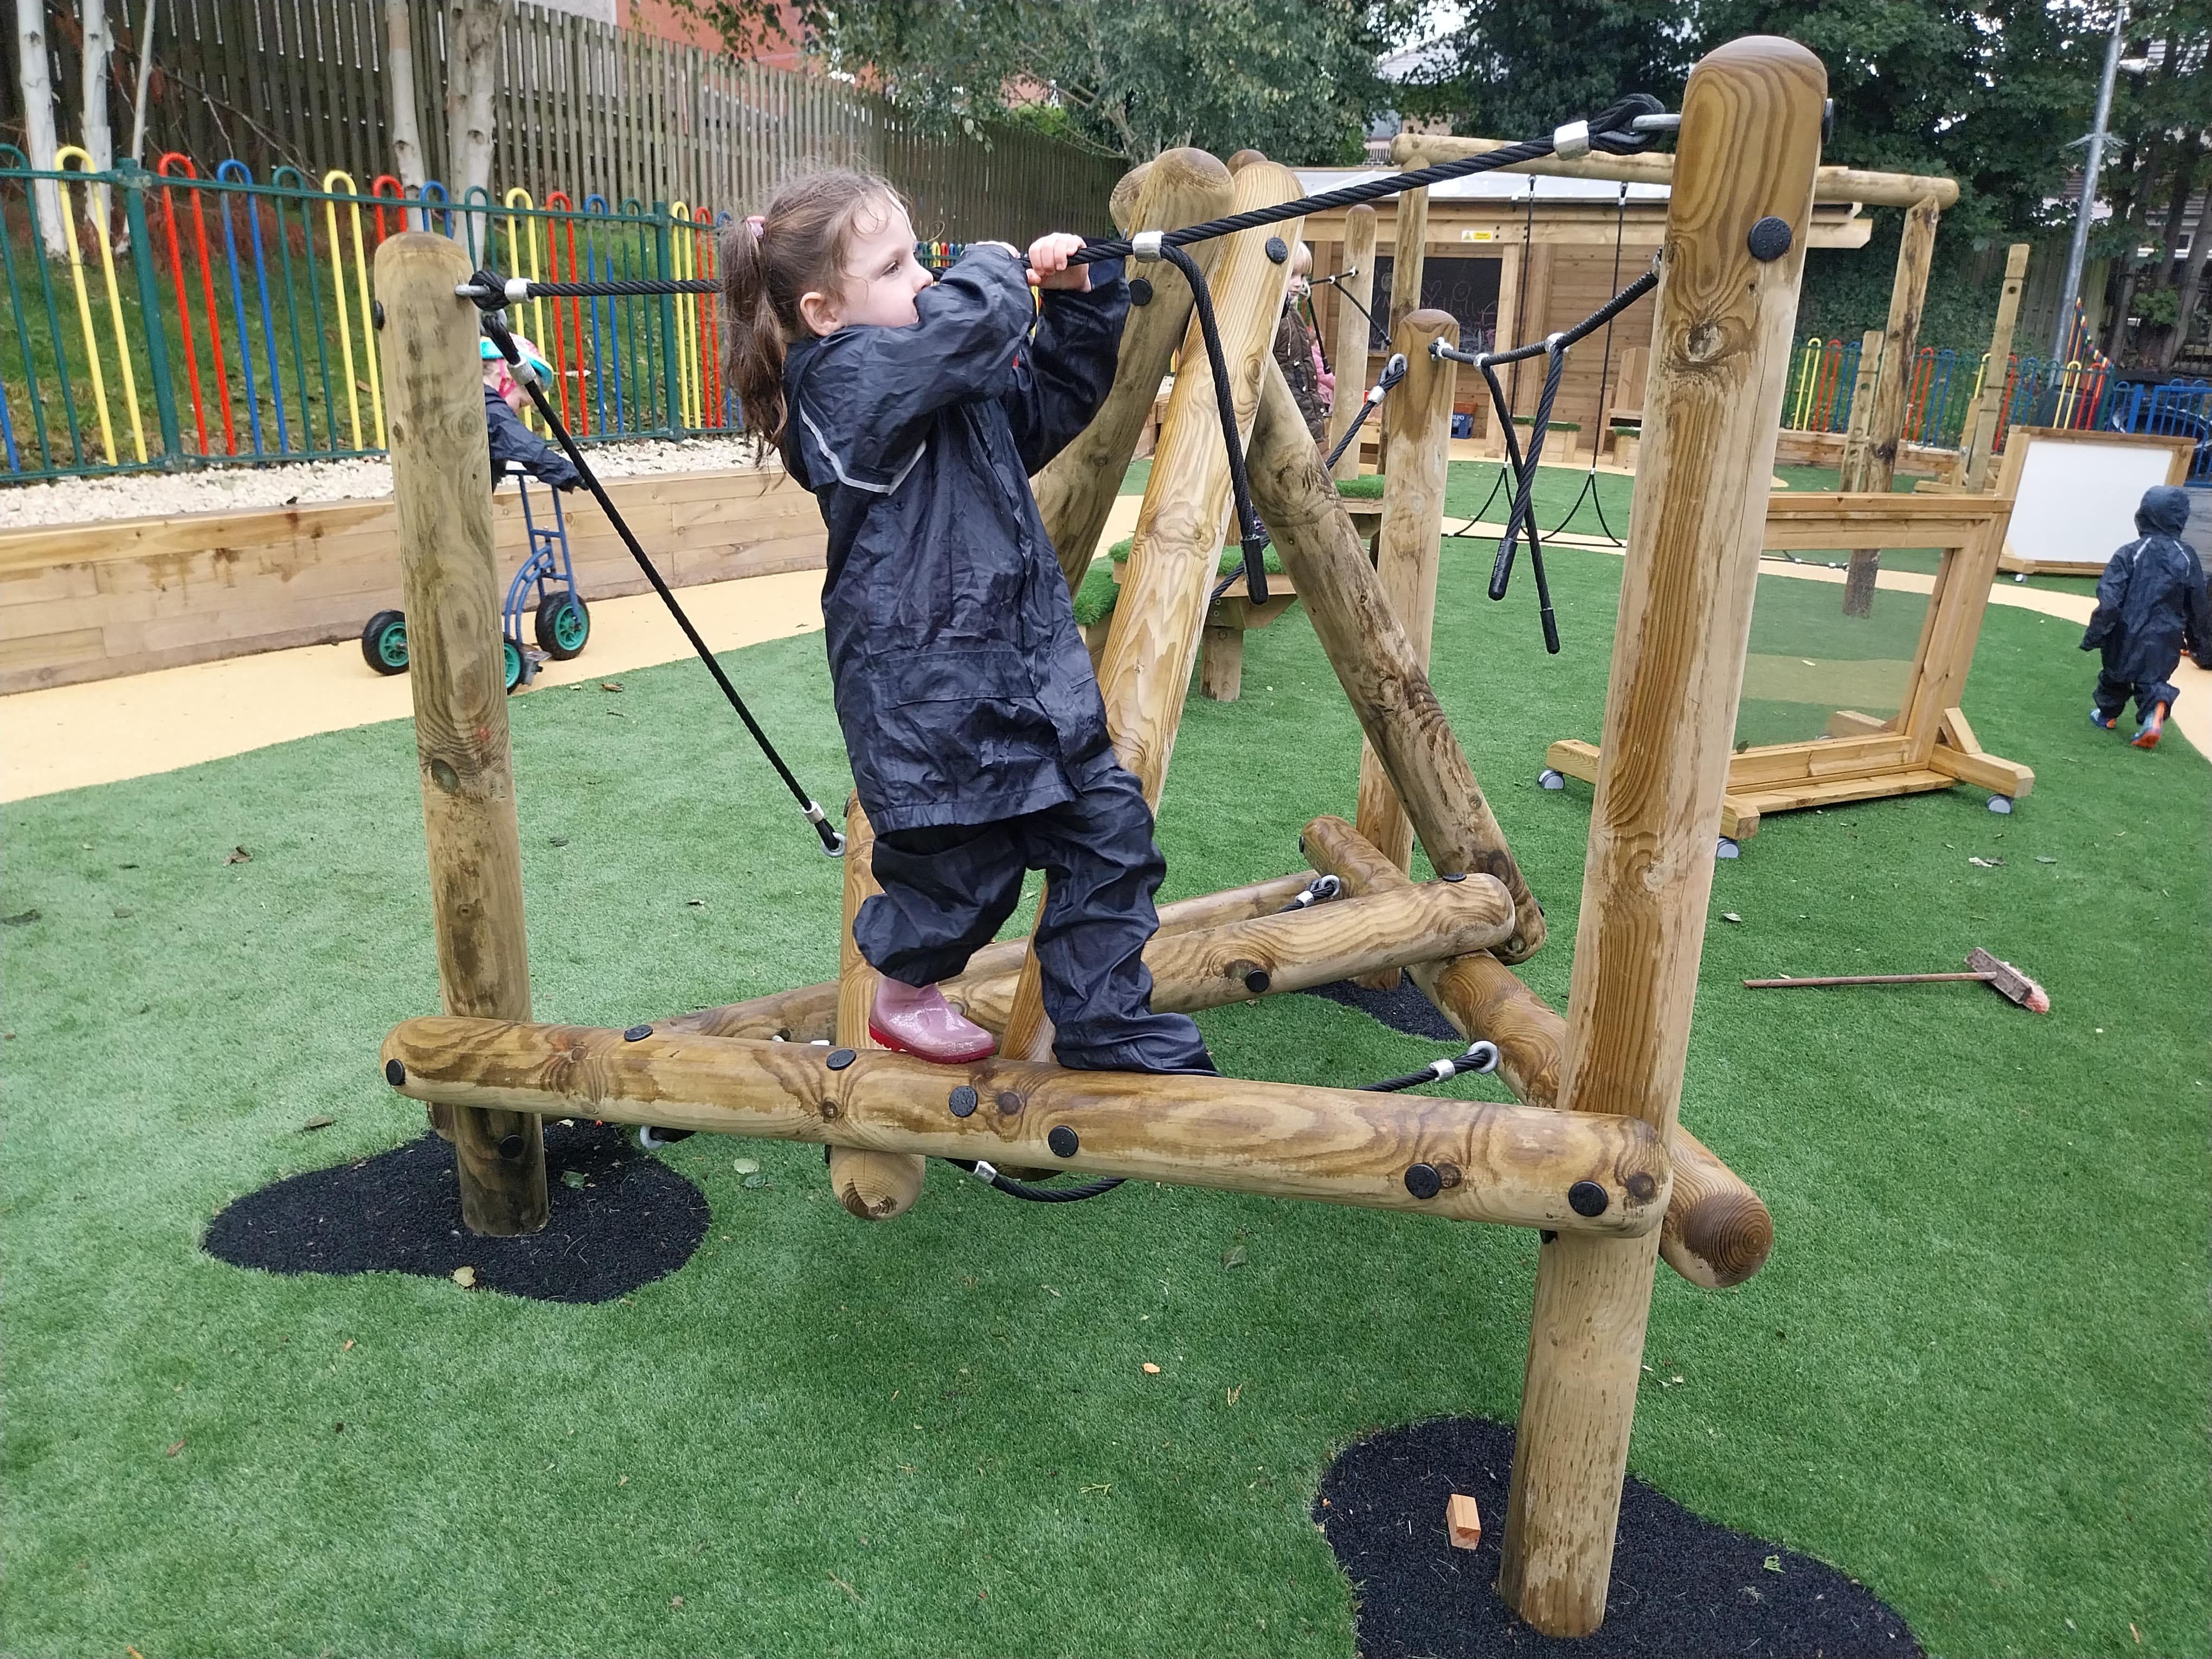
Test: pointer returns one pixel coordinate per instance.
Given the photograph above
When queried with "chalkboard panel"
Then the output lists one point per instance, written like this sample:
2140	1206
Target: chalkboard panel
1468	288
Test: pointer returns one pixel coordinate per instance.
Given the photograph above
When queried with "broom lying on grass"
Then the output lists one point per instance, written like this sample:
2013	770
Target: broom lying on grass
2006	980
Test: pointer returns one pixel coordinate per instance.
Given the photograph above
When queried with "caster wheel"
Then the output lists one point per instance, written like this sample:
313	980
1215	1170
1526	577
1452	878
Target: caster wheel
520	670
652	1140
1727	849
384	642
2001	804
563	625
1551	780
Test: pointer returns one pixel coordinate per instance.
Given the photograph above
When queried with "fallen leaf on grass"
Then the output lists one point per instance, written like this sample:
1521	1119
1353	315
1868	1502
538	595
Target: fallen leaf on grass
609	685
1233	1256
675	1600
1151	1369
123	913
844	1586
317	1123
696	904
571	1178
624	1481
174	1450
746	1166
238	855
1234	1392
1986	864
1772	1563
466	1278
22	919
1730	915
556	840
345	1346
2039	858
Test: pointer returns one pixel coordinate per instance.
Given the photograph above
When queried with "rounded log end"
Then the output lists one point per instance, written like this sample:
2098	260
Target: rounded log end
1722	1240
874	1186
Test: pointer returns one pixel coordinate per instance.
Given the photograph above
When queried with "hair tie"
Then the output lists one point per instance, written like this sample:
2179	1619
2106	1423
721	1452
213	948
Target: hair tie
757	225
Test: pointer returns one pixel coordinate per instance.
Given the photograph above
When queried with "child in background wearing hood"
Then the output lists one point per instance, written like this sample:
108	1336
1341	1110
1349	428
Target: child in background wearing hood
512	444
2150	601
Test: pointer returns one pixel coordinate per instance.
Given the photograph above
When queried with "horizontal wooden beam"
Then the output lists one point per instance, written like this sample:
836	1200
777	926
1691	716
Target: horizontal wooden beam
1718	1232
1509	1164
1240	960
1830	184
810	1013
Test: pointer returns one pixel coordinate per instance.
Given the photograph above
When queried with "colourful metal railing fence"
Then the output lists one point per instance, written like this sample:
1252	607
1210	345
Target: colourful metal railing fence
227	319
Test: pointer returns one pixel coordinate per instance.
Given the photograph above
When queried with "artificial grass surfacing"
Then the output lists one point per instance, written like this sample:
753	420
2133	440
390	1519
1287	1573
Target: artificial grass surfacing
1973	1376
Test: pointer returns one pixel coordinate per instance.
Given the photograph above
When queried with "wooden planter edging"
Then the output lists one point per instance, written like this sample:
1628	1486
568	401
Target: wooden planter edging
90	601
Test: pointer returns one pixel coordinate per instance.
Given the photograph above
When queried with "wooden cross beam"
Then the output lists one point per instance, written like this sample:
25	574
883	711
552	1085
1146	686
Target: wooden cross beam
1587	1174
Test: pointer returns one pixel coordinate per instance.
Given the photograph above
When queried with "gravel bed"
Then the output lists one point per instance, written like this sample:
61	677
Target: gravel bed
228	488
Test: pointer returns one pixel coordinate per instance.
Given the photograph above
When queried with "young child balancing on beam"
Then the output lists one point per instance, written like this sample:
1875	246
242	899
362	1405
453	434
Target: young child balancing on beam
916	411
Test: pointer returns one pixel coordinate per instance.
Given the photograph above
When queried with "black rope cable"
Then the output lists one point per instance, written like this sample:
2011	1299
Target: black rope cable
1604	373
1251	532
1519	520
1000	1182
1480	1057
833	840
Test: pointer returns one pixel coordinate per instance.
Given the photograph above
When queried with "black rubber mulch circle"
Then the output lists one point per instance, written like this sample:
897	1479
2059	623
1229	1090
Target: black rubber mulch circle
1681	1585
1404	1009
619	1219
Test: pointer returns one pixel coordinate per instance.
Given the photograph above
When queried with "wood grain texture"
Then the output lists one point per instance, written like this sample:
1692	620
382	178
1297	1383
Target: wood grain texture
810	1012
442	484
1175	548
1717	1233
1515	1164
1873	468
1409	252
1980	442
1831	184
1376	662
872	1186
1075	492
1355	304
1209	967
1854	466
1416	457
1748	147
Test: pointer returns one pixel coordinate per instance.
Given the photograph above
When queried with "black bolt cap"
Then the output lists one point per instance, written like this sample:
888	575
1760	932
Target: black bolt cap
1422	1181
1278	249
1769	239
1064	1141
1588	1197
510	1147
841	1058
637	1033
1140	290
962	1101
395	1073
1257	982
1462	876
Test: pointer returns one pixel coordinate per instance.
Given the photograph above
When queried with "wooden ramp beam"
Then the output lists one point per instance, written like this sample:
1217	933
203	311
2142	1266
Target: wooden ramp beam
1375	661
1585	1175
1717	1233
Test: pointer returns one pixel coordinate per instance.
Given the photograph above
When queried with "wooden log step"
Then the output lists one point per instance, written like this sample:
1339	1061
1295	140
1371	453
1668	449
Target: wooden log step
1477	1161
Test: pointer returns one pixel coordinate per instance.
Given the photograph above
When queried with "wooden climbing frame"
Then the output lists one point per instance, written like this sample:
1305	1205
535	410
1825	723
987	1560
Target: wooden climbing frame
1590	1156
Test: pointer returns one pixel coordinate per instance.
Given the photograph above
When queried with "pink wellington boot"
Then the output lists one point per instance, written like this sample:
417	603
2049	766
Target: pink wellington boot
915	1019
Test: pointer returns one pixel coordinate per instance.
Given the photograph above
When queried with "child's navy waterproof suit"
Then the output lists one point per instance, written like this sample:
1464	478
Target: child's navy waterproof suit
970	713
2149	599
514	445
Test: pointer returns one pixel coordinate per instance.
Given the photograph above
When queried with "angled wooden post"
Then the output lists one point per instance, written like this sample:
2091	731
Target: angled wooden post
441	488
1720	357
1900	344
1374	661
1355	305
1076	490
1177	550
1416	459
1980	447
872	1186
1409	259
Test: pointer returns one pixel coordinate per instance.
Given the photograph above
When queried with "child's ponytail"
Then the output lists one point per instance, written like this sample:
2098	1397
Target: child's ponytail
801	244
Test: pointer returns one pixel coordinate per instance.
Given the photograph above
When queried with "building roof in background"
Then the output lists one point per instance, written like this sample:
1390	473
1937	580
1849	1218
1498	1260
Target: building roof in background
1491	186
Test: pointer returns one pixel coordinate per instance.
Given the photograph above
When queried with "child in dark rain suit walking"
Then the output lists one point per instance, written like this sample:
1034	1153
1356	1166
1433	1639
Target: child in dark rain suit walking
2150	601
916	412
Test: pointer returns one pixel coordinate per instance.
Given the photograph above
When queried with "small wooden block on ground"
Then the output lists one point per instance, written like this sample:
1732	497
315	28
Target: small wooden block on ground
1463	1521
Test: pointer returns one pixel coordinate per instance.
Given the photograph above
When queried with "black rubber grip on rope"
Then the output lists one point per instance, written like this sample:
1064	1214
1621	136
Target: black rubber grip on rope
495	330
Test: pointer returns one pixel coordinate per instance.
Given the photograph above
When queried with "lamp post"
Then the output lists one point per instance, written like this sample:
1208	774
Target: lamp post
2074	255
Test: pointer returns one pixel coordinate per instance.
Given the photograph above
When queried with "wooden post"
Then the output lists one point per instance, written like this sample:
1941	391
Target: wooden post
872	1186
441	488
1408	256
1417	457
1375	661
1176	550
1900	341
1720	359
1856	425
1989	409
1718	1232
1355	303
1076	490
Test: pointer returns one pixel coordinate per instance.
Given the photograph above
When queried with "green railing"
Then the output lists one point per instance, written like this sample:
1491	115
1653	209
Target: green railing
225	320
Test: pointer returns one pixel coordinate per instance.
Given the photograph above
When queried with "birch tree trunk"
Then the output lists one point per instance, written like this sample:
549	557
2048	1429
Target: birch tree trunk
399	75
37	85
98	136
145	44
471	79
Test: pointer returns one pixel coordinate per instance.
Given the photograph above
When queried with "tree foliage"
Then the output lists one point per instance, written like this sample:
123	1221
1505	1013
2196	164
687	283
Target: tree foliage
1295	78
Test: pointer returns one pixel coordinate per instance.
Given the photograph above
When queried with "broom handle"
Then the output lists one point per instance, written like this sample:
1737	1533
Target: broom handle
1859	979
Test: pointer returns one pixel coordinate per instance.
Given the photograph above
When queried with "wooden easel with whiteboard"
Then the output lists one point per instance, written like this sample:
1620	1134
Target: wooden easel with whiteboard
2074	494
